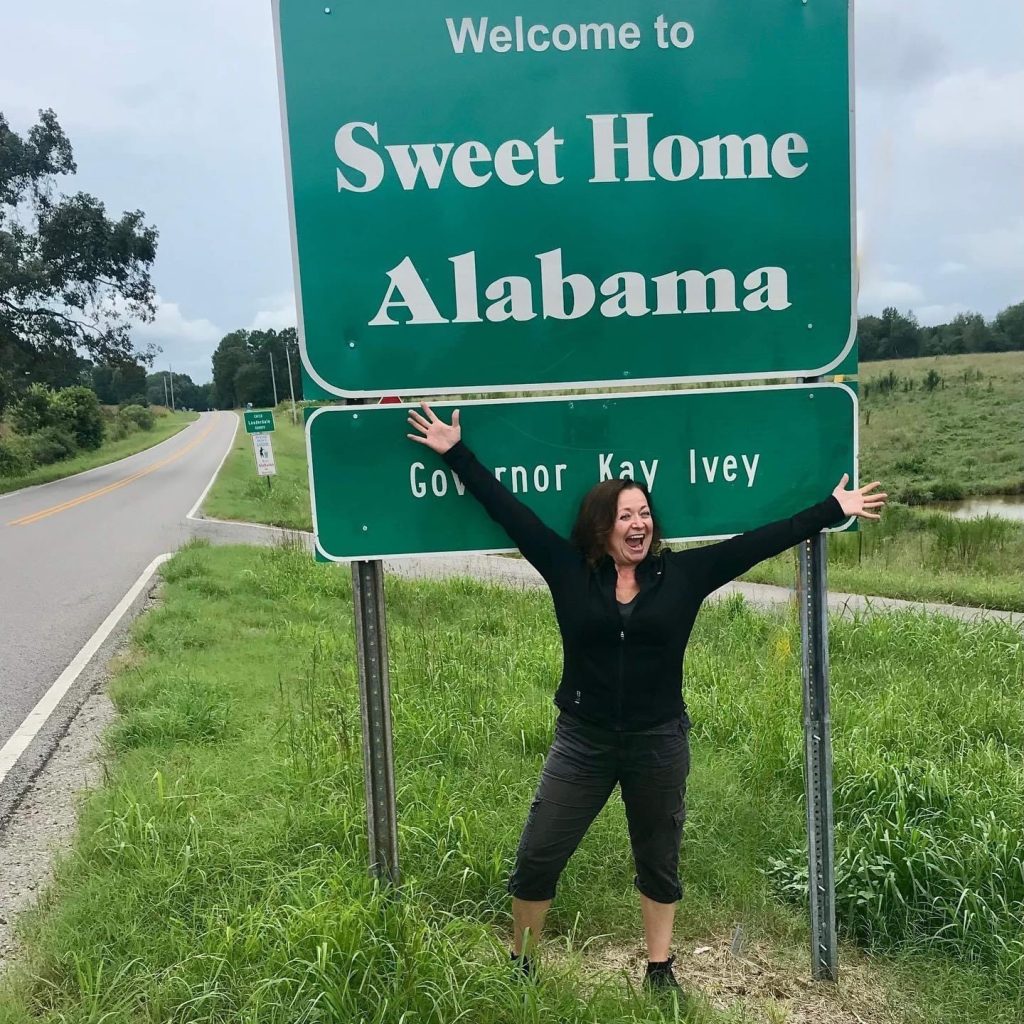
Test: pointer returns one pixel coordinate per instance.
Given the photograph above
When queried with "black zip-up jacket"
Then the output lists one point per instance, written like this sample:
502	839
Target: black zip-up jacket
628	676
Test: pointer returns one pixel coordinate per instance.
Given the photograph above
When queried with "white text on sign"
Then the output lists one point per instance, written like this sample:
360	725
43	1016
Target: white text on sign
539	478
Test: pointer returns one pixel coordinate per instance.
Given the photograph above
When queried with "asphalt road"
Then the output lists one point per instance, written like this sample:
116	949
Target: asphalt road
70	550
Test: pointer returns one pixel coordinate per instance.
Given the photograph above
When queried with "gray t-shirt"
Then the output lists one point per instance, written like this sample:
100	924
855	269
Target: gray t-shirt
626	608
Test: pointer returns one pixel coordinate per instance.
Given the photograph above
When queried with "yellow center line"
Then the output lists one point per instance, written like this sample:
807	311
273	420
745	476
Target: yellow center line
34	517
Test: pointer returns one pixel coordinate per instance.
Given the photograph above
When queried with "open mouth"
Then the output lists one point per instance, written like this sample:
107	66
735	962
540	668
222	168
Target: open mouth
635	541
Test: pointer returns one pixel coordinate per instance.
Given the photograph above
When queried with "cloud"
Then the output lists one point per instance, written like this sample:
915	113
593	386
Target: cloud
953	267
939	313
146	76
893	49
976	108
1000	249
172	324
877	293
280	314
186	344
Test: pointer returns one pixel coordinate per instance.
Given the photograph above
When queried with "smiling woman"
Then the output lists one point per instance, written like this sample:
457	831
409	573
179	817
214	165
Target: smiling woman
617	518
625	609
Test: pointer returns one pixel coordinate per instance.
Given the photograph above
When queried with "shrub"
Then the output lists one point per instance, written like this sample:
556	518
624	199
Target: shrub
78	411
947	490
138	416
118	429
916	463
34	410
51	444
15	459
915	494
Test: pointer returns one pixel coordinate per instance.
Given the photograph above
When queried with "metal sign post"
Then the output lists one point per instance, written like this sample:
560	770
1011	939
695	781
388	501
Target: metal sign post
371	630
813	596
375	706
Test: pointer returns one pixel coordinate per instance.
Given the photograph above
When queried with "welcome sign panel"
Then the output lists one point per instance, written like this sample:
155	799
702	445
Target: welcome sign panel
500	196
717	461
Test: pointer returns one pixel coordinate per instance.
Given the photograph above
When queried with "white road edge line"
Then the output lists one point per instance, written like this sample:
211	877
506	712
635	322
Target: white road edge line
18	743
206	490
106	465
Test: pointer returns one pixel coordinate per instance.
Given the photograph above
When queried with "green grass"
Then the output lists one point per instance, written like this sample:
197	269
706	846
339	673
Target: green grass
240	494
921	556
166	426
220	871
962	438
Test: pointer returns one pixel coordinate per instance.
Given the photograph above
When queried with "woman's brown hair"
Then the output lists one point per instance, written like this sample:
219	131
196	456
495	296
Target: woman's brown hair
596	517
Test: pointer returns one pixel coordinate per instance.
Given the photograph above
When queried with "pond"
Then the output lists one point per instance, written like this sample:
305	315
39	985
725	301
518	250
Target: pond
1008	506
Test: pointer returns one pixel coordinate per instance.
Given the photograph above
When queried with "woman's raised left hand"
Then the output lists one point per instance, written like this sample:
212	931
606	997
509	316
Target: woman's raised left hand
859	502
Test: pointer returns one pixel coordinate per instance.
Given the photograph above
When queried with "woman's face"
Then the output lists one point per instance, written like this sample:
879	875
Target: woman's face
630	539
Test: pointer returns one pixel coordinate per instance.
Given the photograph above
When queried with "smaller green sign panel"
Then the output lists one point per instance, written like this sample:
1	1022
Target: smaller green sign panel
259	421
717	462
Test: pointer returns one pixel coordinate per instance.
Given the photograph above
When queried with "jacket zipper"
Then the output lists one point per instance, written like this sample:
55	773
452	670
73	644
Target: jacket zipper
622	652
622	658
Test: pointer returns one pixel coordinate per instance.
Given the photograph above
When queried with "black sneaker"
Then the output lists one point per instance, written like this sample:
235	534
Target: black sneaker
522	966
659	977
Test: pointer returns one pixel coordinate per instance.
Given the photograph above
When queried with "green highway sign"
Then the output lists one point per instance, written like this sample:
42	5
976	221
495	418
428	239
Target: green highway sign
258	421
717	461
570	195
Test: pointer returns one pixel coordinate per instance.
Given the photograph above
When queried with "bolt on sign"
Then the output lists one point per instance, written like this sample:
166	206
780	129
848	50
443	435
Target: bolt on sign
568	195
716	461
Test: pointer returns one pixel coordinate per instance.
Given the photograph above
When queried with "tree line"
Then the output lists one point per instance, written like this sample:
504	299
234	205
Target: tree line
247	366
895	335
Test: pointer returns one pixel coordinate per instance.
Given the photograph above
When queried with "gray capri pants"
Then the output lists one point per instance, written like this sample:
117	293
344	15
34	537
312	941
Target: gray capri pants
582	767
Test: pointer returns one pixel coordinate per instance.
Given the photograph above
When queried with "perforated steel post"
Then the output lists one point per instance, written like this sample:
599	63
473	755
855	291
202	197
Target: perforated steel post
818	757
375	707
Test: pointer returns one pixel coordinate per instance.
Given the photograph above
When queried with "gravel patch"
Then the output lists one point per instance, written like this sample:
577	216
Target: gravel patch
45	820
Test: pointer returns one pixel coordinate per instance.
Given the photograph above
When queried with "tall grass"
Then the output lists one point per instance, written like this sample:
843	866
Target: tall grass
944	427
925	556
221	871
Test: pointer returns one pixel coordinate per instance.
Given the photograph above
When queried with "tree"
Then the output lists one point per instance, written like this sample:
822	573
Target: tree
1008	328
241	367
33	410
118	384
78	411
232	353
974	332
899	335
187	394
72	280
869	338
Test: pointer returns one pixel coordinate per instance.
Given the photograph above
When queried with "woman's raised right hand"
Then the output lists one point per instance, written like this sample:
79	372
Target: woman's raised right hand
433	431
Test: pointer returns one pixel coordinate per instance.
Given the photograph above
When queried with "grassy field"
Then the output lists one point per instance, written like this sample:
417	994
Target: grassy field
166	426
912	553
220	872
964	436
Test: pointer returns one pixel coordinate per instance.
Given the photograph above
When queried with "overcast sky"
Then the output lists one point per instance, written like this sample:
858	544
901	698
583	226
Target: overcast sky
172	108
